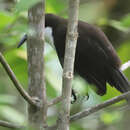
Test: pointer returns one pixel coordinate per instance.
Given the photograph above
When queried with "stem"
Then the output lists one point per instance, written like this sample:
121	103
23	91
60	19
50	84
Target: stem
71	40
98	107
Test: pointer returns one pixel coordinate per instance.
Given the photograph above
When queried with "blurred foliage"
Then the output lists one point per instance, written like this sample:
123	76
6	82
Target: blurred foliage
24	5
13	25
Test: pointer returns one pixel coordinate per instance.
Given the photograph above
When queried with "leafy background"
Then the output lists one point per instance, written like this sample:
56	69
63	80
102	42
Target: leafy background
112	16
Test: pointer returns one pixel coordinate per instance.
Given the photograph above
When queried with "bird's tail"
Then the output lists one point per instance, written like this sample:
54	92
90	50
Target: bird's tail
119	81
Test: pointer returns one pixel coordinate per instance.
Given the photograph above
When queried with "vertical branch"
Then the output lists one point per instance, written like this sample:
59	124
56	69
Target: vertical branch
71	40
35	48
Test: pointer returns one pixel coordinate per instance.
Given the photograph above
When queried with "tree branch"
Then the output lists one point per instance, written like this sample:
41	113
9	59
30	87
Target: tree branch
35	51
98	107
55	101
71	40
125	65
16	83
10	125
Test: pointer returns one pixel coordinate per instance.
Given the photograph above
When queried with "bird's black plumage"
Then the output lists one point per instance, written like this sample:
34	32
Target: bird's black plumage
96	60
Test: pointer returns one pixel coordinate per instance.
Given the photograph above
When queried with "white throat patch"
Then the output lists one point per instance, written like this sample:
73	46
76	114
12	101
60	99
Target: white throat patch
49	37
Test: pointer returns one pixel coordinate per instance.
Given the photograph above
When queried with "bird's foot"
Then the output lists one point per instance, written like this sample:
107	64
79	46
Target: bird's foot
73	95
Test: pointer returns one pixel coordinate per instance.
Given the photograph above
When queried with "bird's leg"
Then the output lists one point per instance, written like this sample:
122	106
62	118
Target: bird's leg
74	96
87	95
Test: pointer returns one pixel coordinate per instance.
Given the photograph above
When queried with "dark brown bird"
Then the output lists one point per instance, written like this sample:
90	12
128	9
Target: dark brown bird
96	60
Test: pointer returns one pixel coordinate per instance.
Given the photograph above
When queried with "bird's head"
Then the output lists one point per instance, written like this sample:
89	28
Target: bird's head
52	20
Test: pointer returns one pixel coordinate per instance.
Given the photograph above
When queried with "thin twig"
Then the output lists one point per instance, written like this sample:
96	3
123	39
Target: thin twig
125	66
10	125
54	101
98	107
16	83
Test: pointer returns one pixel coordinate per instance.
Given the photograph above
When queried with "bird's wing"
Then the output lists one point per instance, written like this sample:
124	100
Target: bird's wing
92	35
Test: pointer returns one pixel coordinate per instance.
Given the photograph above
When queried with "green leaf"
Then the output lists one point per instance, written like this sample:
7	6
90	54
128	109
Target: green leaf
118	25
5	19
24	5
16	59
124	51
111	92
109	118
7	99
55	6
126	21
11	114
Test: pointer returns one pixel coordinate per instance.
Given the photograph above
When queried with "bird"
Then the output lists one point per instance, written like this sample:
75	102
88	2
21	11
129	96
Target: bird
96	60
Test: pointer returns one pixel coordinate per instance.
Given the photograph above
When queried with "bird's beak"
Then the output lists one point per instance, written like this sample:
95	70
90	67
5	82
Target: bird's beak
22	41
